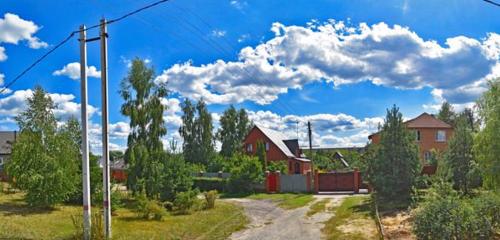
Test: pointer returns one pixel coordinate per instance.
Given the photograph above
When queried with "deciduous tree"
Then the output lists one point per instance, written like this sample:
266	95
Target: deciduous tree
143	106
487	141
44	161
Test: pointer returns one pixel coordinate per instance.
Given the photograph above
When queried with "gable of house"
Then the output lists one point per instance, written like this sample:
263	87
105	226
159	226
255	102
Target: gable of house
426	120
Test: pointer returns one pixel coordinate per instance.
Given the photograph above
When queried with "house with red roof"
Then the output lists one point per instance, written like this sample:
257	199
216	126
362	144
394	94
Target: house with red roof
430	133
278	148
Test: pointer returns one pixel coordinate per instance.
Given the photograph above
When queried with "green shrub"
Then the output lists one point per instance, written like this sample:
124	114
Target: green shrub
210	198
207	184
445	216
149	209
488	205
245	174
281	166
186	201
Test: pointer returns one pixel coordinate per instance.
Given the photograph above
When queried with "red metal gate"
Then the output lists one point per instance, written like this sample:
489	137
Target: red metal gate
329	182
272	184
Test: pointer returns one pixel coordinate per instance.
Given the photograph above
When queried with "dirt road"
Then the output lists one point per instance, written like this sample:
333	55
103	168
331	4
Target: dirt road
267	221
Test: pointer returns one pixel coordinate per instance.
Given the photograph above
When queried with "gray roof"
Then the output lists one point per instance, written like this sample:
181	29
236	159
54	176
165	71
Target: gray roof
278	139
7	138
117	164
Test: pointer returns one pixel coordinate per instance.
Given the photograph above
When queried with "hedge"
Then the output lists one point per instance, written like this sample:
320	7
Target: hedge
208	184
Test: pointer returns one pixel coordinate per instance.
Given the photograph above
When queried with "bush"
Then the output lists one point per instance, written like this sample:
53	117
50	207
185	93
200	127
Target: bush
210	198
445	216
245	174
281	166
177	177
149	209
186	201
207	184
488	205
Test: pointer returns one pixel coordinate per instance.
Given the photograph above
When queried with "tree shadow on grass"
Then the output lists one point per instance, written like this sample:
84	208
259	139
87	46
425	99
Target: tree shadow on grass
15	207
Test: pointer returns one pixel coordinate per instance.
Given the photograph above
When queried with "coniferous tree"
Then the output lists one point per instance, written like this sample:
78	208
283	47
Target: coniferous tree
396	164
487	141
446	114
234	128
459	157
145	149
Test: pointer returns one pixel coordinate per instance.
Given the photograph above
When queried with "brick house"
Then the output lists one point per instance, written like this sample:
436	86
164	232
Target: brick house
278	148
7	138
430	133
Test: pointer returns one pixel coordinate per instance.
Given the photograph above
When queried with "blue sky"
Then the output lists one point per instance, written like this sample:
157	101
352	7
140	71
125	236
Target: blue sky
339	64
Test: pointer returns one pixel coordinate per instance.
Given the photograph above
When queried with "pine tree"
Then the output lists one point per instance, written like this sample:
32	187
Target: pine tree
145	149
446	113
459	157
487	141
396	164
235	125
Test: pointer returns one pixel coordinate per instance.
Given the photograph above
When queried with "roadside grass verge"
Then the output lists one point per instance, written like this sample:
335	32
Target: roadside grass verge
19	221
319	206
352	220
285	200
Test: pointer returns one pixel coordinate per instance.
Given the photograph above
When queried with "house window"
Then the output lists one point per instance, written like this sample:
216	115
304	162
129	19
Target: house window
267	146
1	161
427	156
417	133
249	148
440	136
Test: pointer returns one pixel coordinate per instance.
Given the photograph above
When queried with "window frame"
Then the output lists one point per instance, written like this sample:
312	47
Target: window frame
267	146
249	148
418	136
427	156
437	137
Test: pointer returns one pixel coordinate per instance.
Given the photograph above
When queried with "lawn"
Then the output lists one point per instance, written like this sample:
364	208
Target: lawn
352	220
18	221
285	200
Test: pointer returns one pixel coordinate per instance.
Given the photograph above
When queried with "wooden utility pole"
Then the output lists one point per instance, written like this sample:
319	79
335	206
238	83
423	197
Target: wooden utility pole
85	145
105	135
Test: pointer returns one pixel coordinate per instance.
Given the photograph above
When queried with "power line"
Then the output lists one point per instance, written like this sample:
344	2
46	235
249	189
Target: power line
491	2
71	35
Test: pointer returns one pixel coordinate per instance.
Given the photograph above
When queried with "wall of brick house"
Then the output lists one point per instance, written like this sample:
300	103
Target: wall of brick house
427	140
304	166
273	154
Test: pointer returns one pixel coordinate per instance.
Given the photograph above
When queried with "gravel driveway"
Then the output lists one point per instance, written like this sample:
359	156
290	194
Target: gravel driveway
268	221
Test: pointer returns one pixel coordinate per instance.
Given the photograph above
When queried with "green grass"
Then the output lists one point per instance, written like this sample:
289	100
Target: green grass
19	221
319	206
352	220
285	200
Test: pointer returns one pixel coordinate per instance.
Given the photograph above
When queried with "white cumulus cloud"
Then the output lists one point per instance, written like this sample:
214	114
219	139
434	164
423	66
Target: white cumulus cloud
392	56
14	29
72	70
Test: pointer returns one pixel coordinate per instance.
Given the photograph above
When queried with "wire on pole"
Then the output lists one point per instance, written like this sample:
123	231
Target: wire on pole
71	35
